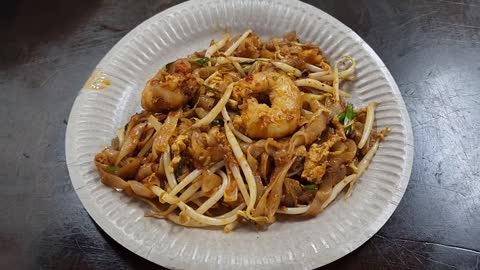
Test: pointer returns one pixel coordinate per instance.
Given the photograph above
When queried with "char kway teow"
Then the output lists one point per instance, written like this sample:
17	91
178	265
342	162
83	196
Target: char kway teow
243	132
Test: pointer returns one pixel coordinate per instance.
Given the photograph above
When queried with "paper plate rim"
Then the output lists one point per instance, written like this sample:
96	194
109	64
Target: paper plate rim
104	223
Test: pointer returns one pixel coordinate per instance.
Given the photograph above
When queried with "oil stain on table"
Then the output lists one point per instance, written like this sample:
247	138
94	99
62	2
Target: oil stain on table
50	48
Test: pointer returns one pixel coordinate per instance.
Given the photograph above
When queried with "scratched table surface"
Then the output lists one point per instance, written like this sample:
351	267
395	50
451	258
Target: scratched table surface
49	48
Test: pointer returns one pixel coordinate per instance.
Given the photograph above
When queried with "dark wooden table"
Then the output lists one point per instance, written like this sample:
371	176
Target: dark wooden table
49	48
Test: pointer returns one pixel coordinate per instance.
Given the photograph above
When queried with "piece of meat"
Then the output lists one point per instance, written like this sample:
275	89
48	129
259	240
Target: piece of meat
295	194
292	190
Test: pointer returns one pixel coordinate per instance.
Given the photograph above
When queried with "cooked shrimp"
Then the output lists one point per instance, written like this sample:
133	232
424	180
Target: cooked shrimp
259	120
165	91
160	95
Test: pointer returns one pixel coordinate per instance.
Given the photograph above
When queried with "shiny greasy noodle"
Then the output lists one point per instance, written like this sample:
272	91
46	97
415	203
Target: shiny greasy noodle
362	166
254	129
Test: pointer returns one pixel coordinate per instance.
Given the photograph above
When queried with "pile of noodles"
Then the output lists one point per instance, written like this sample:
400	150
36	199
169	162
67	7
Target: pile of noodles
195	166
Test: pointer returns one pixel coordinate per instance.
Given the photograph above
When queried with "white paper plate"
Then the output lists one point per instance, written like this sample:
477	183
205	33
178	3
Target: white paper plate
181	30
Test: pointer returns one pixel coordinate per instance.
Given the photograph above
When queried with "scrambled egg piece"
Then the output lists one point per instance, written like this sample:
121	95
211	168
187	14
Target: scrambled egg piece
179	144
177	148
317	160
